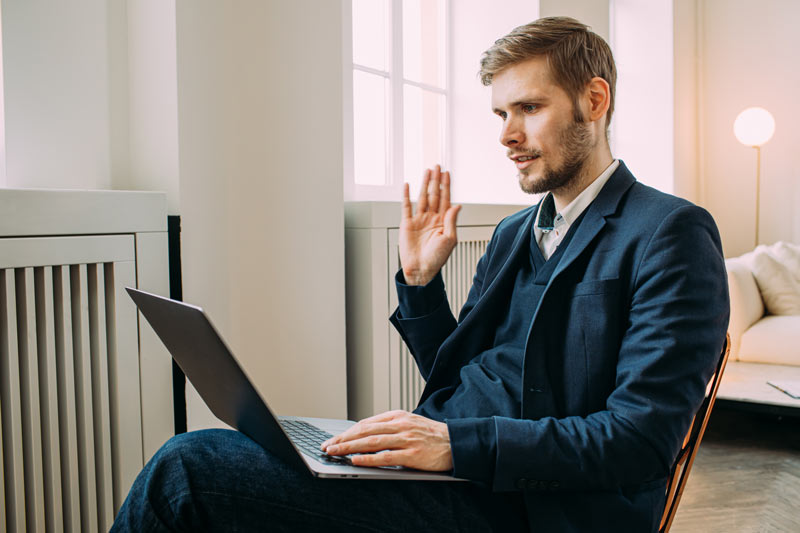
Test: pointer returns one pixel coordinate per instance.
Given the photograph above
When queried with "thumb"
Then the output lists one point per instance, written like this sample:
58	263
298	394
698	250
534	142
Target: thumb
450	221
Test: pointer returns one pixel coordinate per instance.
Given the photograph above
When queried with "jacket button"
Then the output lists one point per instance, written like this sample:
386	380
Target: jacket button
521	483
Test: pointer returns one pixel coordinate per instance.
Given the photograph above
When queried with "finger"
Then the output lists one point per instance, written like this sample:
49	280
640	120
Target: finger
445	203
450	218
385	458
370	444
422	205
361	430
434	190
407	212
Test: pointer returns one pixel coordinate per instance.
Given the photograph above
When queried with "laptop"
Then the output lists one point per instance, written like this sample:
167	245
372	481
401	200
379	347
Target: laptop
210	366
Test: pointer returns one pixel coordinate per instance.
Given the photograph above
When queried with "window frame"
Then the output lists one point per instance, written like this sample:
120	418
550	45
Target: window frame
392	188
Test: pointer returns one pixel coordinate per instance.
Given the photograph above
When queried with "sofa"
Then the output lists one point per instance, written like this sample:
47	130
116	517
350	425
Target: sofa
764	325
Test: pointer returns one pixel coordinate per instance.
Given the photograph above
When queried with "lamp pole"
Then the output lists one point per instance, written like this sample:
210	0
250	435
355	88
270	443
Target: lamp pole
758	189
753	127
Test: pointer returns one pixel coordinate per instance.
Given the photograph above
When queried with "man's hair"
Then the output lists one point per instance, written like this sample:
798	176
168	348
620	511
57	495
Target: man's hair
574	55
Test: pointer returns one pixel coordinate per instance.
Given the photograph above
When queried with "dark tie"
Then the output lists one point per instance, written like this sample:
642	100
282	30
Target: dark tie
547	212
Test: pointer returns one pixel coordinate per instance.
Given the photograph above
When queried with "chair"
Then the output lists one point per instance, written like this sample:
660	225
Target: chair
683	463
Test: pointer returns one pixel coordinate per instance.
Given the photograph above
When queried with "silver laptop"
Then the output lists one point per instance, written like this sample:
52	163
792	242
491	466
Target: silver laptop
201	353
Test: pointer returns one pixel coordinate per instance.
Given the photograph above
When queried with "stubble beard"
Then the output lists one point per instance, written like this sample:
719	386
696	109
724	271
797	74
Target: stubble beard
576	147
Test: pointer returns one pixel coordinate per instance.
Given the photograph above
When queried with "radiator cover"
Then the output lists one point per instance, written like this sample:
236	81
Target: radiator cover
76	370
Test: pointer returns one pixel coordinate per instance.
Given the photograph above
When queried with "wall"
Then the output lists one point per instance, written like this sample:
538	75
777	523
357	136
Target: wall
260	122
90	93
150	100
594	13
58	67
749	58
686	102
642	125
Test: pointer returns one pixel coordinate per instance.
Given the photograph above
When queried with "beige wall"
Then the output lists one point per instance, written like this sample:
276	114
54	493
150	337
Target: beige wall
60	121
686	83
748	57
150	92
260	141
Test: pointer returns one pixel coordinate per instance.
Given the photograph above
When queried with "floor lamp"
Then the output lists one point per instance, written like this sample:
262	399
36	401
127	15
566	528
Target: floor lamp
754	127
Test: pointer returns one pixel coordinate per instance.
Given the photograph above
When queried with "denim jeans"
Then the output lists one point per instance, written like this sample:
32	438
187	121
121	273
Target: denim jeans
220	480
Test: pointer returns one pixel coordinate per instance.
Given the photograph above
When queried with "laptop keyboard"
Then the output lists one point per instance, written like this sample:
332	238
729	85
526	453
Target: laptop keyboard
309	439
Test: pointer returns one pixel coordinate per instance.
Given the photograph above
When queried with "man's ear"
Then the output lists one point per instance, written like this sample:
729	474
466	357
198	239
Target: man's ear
599	94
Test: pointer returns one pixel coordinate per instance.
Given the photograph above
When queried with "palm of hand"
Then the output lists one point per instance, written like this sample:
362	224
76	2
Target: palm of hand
428	236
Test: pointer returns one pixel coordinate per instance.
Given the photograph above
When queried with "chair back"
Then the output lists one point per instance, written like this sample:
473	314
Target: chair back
683	463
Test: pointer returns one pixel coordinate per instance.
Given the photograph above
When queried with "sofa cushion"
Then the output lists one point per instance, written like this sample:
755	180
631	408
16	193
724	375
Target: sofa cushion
773	339
746	304
788	255
779	287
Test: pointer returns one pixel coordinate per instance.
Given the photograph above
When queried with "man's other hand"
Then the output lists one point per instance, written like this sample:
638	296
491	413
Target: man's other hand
428	236
402	438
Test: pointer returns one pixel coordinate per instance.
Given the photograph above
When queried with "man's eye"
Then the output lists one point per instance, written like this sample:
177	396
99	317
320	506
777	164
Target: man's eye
502	115
528	108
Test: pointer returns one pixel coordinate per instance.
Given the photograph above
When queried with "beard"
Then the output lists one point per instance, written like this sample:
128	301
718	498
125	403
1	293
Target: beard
576	147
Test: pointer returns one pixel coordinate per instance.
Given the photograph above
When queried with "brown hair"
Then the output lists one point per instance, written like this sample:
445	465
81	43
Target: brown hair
574	54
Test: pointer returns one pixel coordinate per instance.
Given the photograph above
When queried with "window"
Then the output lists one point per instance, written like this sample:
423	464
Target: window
396	105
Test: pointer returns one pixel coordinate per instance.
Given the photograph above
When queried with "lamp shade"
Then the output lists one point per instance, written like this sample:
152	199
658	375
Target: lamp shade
754	126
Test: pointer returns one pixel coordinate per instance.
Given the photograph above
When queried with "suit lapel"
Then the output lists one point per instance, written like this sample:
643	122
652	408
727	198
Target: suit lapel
604	205
520	244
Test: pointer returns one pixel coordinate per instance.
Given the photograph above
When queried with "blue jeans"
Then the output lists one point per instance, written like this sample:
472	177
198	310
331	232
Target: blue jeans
220	480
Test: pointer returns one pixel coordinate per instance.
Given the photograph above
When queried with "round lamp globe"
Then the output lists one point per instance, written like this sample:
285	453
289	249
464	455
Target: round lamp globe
754	126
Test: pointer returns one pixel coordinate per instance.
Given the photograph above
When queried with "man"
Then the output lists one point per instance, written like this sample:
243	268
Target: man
565	387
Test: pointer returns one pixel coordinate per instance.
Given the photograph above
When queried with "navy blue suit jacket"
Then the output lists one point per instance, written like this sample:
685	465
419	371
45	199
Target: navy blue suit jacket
618	354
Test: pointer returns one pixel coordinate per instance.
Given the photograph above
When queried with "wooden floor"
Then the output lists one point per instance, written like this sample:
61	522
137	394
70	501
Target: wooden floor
746	476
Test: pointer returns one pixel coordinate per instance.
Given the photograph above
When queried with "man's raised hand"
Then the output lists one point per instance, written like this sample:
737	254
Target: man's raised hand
428	236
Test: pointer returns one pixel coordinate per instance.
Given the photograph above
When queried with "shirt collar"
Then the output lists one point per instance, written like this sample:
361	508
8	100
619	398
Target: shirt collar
572	211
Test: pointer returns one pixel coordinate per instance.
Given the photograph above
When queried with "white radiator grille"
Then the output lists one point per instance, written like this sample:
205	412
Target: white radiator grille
65	461
457	274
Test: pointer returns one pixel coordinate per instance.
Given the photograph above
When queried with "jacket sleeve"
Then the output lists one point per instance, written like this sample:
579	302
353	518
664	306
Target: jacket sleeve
423	316
678	315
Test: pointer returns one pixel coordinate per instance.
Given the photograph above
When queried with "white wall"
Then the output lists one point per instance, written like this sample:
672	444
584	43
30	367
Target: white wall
685	106
58	60
594	13
260	122
749	58
3	182
150	99
90	94
642	125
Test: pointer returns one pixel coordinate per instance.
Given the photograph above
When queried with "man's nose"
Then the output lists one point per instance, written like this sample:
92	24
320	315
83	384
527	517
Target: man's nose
512	133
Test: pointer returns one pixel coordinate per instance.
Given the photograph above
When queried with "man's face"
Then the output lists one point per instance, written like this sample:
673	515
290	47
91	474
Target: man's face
543	138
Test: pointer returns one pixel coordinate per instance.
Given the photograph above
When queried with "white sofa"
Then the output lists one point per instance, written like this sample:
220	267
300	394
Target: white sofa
757	337
764	347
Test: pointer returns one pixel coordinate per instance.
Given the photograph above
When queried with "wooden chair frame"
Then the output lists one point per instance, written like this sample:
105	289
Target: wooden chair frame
683	463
